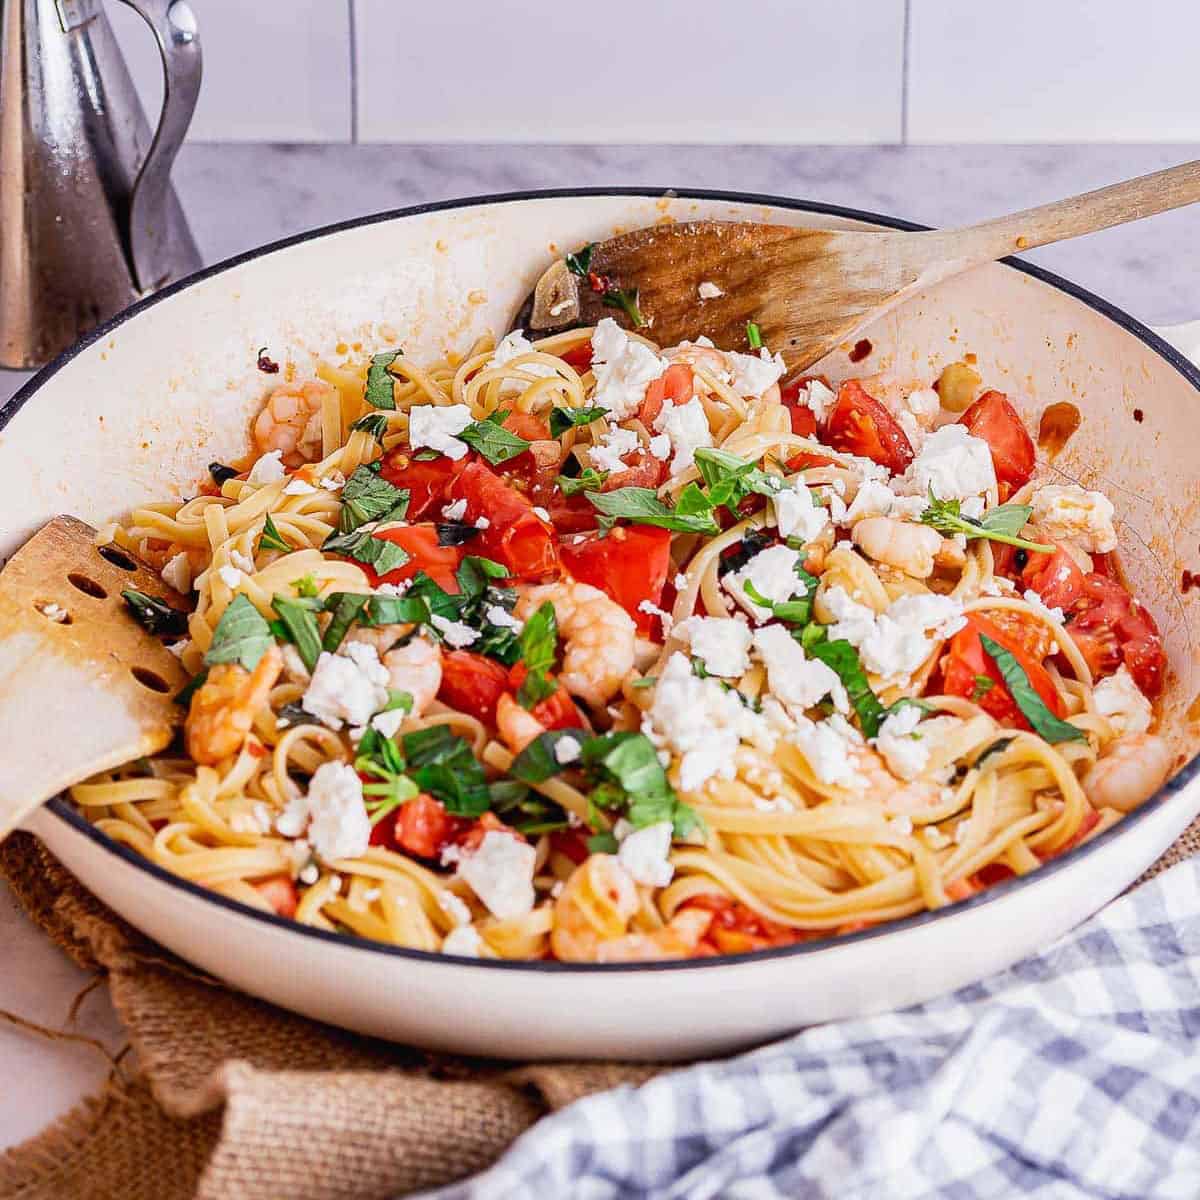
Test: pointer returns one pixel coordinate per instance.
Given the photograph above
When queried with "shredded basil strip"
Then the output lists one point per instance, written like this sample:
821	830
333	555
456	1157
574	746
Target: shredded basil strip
345	608
626	299
271	538
538	643
367	496
493	441
537	763
442	764
642	506
588	480
379	393
1032	706
301	626
580	263
1000	524
364	547
996	747
753	335
562	419
155	615
242	636
375	424
842	658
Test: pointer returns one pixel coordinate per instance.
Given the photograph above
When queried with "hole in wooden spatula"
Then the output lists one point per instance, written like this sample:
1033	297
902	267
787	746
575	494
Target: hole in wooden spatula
118	558
148	679
89	587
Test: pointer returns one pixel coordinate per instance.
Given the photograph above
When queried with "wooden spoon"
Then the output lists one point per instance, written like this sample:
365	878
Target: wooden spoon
810	289
83	686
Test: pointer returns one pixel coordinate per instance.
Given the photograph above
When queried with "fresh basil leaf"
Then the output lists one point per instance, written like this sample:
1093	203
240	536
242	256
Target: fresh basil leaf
999	525
996	747
301	627
379	393
440	602
473	575
376	424
626	299
394	610
630	761
367	496
364	547
730	479
271	539
346	608
155	615
184	696
753	335
562	419
580	263
220	472
843	659
538	644
455	533
813	634
1032	706
536	763
588	480
398	699
1006	518
242	636
493	441
442	764
643	507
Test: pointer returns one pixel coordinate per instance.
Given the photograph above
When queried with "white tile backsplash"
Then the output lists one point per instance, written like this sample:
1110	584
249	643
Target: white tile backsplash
1053	71
274	70
630	71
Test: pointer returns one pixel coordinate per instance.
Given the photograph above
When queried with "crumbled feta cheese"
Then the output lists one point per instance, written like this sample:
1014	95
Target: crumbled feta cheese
623	368
500	872
309	874
875	499
514	345
709	290
652	610
916	414
388	723
268	469
794	680
796	514
754	374
660	446
903	749
681	581
455	511
243	562
541	513
435	425
1071	513
299	487
897	642
456	634
1036	603
687	427
722	643
953	464
231	577
1121	700
348	687
333	482
567	750
702	723
644	855
338	825
463	940
608	454
393	589
494	614
772	574
828	748
177	573
482	523
819	398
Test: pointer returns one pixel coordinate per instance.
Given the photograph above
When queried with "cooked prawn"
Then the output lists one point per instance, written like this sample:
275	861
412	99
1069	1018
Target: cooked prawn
901	544
225	705
1132	770
600	637
515	725
592	915
414	666
291	421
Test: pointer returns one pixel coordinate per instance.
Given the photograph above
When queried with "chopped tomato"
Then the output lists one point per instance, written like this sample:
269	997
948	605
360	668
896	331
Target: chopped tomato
471	835
643	470
557	711
995	420
280	893
859	424
966	661
428	480
424	554
516	536
1089	821
472	683
804	460
579	357
628	564
1033	636
1147	663
568	514
738	929
1110	627
570	842
529	426
423	826
676	384
804	420
1055	577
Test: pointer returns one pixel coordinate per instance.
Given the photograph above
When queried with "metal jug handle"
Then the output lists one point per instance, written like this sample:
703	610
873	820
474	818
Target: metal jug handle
174	26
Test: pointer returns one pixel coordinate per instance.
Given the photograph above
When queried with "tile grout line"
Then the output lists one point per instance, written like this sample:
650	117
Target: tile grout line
353	74
904	66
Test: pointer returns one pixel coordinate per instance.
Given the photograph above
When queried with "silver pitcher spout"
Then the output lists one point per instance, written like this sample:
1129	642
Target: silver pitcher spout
89	221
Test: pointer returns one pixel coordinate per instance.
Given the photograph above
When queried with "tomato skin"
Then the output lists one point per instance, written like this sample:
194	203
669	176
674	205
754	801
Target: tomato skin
995	420
967	659
1147	663
529	426
579	357
1110	627
557	711
472	683
280	893
644	470
804	460
738	929
629	564
428	481
423	826
516	536
421	542
804	420
676	384
1055	577
859	424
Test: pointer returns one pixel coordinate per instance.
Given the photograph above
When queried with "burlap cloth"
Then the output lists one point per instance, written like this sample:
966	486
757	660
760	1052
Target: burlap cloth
232	1099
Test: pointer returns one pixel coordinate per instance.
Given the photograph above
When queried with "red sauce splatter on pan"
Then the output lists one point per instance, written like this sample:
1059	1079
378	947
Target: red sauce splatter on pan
1059	423
861	349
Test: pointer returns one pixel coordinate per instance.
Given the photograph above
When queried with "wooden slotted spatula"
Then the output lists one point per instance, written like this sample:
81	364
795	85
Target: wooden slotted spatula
808	290
83	686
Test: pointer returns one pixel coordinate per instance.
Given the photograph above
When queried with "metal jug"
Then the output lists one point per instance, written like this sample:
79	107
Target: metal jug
89	221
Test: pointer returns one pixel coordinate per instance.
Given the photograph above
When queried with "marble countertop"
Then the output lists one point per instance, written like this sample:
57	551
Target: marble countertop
239	196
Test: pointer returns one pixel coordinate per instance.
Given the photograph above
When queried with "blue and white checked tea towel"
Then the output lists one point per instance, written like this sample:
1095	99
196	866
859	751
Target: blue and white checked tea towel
1074	1074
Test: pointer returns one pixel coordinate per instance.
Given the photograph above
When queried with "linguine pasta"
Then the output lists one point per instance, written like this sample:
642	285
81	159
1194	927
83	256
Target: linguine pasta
601	652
